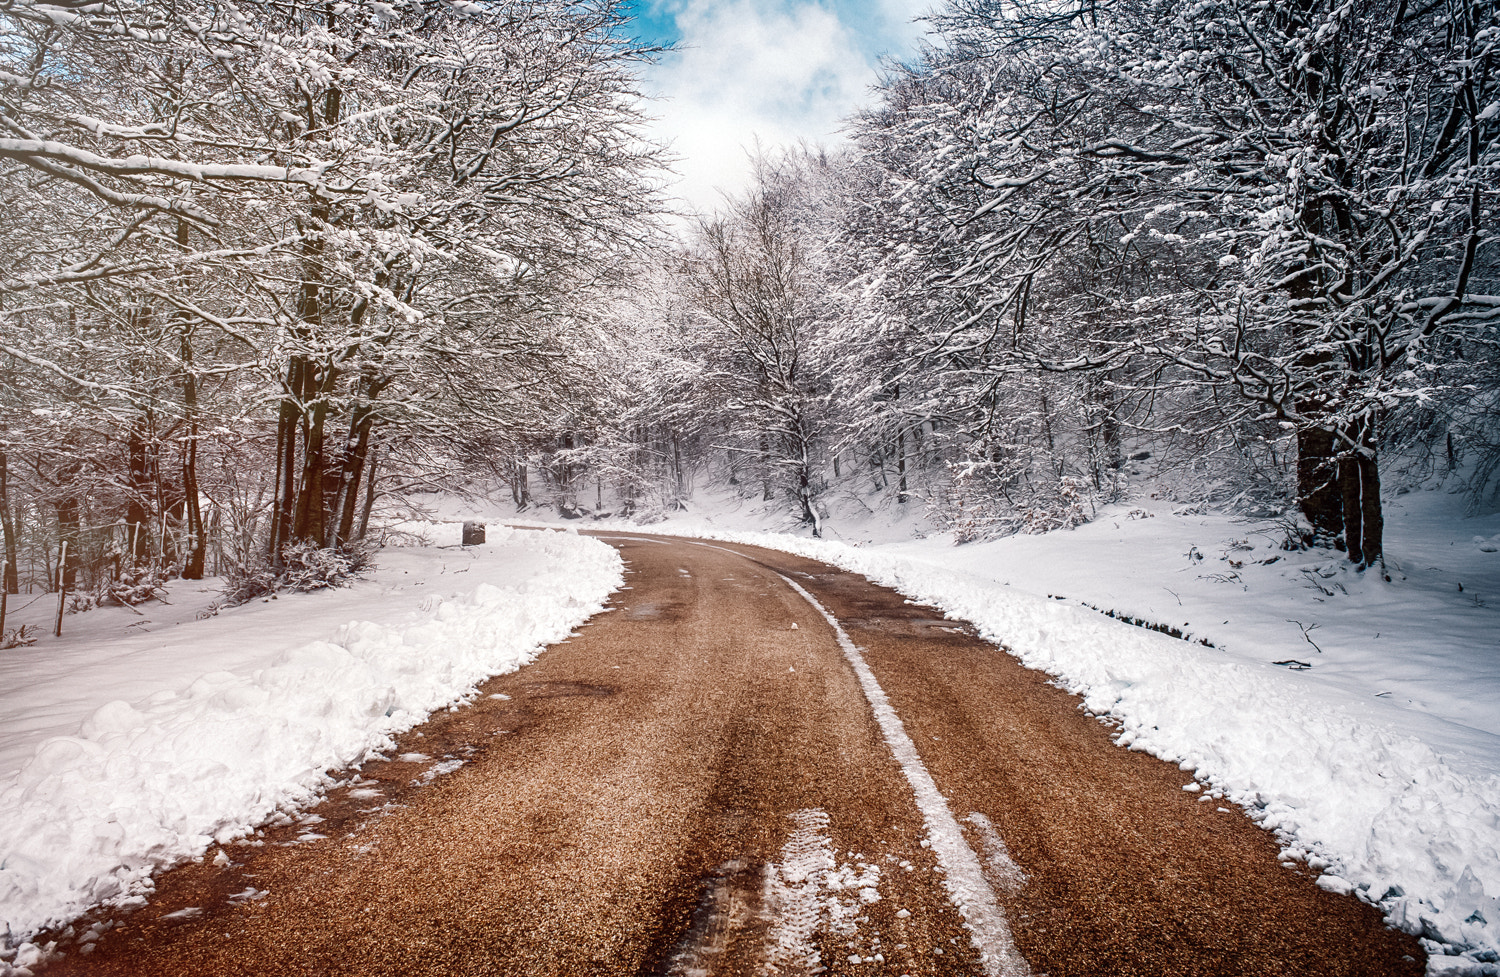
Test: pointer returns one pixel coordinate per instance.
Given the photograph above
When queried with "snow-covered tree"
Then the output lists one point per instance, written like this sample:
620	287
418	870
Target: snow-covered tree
748	276
393	222
1234	213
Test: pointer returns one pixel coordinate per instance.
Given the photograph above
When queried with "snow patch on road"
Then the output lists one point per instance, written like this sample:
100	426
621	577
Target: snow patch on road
136	786
808	892
999	868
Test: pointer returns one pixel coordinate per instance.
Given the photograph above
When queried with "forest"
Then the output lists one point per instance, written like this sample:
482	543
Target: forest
273	268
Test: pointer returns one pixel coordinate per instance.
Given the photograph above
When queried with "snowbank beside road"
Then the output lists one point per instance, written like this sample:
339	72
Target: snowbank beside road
250	712
1377	811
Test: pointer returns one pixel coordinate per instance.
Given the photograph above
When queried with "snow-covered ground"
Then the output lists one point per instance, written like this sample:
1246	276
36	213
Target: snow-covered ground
142	737
1373	752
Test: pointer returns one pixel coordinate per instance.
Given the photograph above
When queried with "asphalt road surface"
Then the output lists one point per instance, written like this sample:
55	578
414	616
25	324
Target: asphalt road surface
754	764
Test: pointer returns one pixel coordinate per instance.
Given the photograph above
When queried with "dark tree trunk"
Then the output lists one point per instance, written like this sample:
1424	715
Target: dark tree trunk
312	500
1362	492
1317	483
192	512
300	387
520	487
361	428
371	464
197	538
804	494
1359	493
766	492
310	511
679	476
69	514
1109	430
1349	486
806	477
1373	540
197	543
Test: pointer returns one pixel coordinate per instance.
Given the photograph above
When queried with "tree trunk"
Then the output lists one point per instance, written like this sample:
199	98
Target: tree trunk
1349	486
192	512
1107	453
1359	490
1373	540
68	516
311	521
371	464
520	488
1047	431
11	579
805	495
355	454
901	467
285	492
679	477
300	387
197	543
1365	473
137	516
1317	483
766	493
352	477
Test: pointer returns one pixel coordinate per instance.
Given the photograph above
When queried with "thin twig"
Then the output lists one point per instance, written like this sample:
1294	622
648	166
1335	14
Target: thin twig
1305	633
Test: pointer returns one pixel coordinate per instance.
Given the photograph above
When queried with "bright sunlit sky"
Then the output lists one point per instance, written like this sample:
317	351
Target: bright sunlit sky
779	70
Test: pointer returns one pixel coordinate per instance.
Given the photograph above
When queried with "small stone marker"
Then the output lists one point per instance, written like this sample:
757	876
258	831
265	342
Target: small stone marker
473	533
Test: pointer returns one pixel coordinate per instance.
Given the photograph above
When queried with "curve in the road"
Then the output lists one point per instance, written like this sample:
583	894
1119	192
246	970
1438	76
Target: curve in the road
712	778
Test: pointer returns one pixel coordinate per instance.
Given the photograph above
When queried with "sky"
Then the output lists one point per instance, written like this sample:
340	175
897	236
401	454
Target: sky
780	71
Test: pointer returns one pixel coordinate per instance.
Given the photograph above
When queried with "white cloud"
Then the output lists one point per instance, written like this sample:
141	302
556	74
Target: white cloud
777	71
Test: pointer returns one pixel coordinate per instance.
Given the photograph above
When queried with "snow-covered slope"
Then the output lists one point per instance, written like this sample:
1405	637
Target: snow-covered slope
123	755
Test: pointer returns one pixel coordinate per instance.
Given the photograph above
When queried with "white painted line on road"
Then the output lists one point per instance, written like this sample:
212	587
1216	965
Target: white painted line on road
963	874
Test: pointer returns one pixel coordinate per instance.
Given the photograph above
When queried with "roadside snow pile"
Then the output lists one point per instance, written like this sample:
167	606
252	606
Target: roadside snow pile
138	785
1378	811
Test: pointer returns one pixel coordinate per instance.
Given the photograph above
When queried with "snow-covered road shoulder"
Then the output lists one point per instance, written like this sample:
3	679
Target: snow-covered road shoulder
270	700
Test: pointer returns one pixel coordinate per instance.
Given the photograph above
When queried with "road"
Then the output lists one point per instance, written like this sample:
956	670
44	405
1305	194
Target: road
755	764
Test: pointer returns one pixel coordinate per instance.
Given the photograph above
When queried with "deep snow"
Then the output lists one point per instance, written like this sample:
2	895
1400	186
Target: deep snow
1378	765
122	755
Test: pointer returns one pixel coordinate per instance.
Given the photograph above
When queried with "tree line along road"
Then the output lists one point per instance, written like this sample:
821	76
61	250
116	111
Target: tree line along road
755	764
